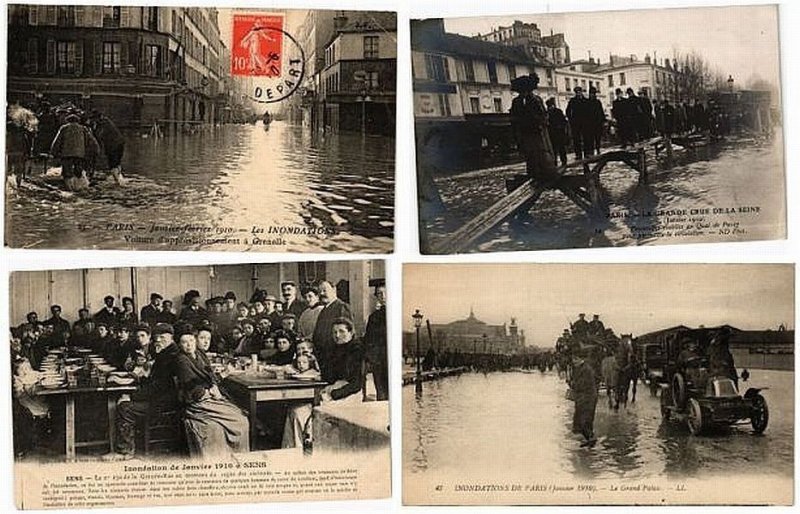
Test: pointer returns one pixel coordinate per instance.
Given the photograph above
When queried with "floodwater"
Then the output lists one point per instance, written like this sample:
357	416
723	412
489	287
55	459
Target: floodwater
486	426
678	205
229	178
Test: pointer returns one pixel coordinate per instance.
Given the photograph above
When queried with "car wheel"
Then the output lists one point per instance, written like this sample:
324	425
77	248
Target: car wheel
694	417
679	390
760	415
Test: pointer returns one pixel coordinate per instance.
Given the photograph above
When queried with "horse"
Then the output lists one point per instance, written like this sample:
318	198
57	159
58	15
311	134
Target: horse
610	372
628	370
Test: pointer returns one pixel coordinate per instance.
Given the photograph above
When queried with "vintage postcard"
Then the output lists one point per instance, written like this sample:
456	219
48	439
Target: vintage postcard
598	129
197	128
200	384
598	384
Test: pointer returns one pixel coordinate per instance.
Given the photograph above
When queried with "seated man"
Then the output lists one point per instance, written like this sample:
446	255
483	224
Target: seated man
156	393
343	374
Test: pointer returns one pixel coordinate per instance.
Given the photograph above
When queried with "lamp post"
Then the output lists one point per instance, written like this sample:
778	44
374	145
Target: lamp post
417	324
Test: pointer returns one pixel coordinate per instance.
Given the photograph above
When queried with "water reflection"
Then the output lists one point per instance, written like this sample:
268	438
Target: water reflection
520	423
234	176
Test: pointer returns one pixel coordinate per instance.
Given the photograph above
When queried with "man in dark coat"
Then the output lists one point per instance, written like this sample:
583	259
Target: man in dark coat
192	313
75	147
61	328
166	315
83	329
645	121
323	332
580	123
584	392
596	327
557	130
150	312
157	393
597	120
109	314
581	326
375	342
293	304
529	125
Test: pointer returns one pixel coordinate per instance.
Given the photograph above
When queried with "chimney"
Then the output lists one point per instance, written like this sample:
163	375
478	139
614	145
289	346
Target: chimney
647	58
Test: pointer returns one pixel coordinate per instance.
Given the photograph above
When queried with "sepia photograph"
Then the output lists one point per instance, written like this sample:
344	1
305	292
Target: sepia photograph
598	129
598	384
200	128
270	375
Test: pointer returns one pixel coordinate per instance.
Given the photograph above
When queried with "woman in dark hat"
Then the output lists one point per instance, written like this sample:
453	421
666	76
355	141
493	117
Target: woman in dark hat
529	125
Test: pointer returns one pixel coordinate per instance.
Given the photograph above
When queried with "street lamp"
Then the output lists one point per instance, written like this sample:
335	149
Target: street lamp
417	324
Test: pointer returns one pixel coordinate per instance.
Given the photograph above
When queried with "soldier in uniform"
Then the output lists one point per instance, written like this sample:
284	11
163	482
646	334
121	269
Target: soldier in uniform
596	327
529	125
584	390
581	326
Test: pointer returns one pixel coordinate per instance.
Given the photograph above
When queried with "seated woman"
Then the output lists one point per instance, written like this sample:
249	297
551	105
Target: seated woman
344	377
214	426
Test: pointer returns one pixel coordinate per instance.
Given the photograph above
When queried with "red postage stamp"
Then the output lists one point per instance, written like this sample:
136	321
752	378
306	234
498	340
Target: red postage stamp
257	46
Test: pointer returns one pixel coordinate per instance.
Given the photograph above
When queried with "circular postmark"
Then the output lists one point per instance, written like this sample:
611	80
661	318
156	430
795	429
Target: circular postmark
270	57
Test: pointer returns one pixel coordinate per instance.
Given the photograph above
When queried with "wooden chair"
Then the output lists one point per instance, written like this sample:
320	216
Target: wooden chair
164	432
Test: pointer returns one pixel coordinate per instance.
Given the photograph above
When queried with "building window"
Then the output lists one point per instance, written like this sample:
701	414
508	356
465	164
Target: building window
66	16
492	65
498	104
112	57
65	57
469	70
371	80
112	17
152	18
583	84
437	68
152	60
611	81
566	84
621	79
444	105
474	105
512	72
371	47
33	56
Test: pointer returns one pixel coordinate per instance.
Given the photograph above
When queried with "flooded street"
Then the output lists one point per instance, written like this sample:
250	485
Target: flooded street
229	179
729	191
483	427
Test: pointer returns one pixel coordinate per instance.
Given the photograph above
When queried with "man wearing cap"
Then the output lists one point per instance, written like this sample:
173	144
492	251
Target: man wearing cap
597	120
292	303
375	342
83	329
596	327
645	115
109	313
634	114
557	130
75	146
323	331
529	126
271	312
157	393
620	113
579	115
166	315
584	393
581	326
152	310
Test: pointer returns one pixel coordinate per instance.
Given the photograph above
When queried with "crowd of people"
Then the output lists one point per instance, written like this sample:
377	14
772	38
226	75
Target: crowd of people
309	332
81	141
543	131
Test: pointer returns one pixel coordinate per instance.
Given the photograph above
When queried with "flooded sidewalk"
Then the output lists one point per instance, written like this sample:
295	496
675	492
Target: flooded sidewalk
235	187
